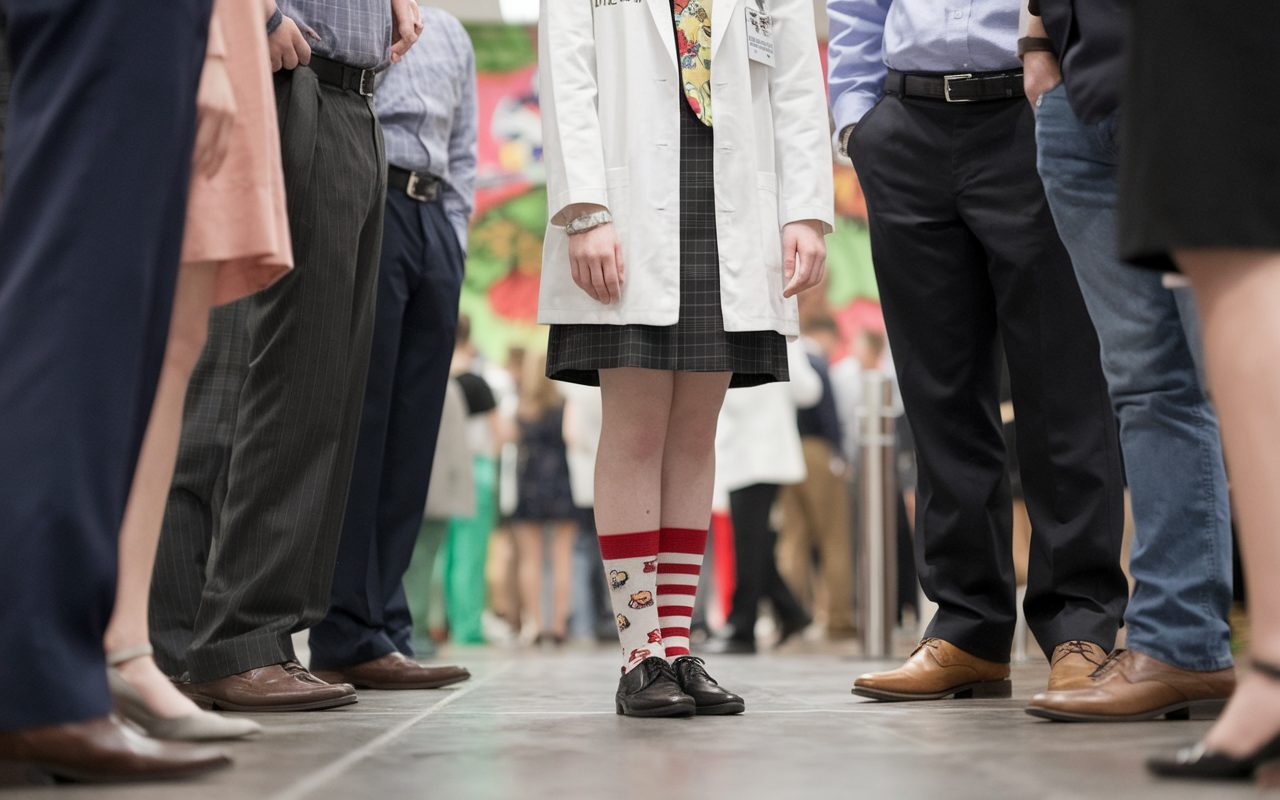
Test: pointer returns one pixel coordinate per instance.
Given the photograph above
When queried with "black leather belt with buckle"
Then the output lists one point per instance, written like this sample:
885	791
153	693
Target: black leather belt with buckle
338	74
420	186
965	87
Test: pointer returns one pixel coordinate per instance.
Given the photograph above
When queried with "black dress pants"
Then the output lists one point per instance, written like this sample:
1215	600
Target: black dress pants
967	259
757	568
419	281
269	433
98	145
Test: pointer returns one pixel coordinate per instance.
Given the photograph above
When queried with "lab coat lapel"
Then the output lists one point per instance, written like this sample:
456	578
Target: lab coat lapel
662	17
723	14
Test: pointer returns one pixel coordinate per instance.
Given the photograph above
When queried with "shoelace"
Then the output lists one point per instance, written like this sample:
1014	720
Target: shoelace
1107	665
931	643
1079	647
694	668
299	671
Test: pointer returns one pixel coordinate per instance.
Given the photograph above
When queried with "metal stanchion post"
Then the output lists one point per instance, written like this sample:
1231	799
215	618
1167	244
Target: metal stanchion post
878	550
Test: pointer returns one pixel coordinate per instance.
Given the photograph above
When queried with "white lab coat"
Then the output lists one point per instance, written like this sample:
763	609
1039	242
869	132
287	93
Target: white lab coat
758	440
609	96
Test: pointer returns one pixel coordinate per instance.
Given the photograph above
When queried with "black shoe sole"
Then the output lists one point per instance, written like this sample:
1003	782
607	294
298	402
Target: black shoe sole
33	774
968	691
676	710
721	710
209	704
1175	711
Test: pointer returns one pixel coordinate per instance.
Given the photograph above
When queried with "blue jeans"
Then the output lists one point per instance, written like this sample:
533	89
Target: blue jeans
1181	557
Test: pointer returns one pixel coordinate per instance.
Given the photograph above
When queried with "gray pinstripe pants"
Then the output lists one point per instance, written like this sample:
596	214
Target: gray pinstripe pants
255	511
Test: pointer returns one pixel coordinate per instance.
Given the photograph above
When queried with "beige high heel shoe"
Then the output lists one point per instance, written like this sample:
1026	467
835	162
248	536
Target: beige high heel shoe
202	726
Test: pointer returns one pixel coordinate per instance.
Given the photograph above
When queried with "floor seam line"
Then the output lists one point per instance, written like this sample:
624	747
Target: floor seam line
317	779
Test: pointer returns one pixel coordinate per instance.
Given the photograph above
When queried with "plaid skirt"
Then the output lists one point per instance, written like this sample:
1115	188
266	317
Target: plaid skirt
698	342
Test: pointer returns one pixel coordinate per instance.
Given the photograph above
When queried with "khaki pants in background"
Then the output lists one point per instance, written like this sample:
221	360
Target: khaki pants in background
816	516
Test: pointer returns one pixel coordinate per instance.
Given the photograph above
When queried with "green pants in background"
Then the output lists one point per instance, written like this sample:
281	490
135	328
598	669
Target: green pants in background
463	558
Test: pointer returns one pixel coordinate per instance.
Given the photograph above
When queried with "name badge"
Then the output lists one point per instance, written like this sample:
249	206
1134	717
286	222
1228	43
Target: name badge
760	35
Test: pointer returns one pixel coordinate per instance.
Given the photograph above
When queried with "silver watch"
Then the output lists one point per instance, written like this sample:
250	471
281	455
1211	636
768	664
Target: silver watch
587	222
844	140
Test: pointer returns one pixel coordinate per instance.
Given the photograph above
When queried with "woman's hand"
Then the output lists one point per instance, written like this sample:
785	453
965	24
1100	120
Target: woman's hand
804	256
596	259
215	117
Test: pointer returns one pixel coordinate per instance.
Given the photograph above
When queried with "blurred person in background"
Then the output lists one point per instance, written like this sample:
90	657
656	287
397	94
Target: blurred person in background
758	451
928	103
1180	146
583	417
91	235
236	242
426	105
544	499
678	235
1177	653
815	512
466	549
452	496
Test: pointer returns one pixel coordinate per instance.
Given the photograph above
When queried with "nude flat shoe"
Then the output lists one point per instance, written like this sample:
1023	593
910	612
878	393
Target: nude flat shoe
202	726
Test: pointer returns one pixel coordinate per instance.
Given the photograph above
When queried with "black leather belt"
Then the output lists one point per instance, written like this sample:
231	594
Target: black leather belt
420	186
338	74
964	87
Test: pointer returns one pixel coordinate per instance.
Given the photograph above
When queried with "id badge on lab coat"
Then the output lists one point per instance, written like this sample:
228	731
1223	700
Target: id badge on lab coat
759	35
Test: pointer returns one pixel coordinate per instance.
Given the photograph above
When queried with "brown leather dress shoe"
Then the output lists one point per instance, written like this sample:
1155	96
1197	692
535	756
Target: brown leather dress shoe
1072	664
1132	686
937	669
396	671
101	750
279	687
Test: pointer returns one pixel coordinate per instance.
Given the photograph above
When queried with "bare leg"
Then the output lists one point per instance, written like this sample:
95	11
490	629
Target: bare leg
689	456
1238	293
528	536
636	409
563	536
140	531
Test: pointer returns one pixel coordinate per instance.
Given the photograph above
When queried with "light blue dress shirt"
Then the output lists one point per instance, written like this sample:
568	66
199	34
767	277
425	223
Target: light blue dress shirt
354	32
427	107
868	37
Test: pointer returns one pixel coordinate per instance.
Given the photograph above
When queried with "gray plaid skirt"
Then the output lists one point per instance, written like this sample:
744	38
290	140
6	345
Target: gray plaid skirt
698	342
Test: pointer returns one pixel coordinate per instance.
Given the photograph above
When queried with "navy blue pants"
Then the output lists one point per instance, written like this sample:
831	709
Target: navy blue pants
419	281
97	161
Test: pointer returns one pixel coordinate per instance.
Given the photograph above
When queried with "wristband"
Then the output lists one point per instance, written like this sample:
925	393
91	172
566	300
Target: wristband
1030	44
273	24
588	222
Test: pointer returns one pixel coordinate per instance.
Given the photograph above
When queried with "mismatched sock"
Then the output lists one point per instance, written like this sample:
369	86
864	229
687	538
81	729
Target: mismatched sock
679	565
631	566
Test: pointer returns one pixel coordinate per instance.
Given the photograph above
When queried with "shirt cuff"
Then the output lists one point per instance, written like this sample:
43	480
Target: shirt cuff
274	23
851	107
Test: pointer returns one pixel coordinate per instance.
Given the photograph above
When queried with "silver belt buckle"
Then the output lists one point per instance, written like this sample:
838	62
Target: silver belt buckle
366	82
411	189
946	87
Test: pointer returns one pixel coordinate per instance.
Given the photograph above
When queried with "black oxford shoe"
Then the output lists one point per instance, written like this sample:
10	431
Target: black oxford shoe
652	690
708	695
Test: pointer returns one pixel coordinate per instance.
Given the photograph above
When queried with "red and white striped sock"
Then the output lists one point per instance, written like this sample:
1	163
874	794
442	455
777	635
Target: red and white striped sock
631	566
679	565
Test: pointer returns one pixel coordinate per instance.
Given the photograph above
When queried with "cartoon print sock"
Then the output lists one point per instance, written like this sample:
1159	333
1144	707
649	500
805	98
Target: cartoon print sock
679	565
631	566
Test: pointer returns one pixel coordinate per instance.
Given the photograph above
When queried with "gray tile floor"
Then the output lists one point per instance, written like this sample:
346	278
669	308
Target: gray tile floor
541	725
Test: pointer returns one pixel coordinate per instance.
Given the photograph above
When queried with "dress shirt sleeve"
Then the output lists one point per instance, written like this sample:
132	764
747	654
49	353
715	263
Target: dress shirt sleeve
855	57
802	151
572	143
459	198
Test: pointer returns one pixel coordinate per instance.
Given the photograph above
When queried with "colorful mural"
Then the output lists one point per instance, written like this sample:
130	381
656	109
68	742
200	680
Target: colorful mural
505	253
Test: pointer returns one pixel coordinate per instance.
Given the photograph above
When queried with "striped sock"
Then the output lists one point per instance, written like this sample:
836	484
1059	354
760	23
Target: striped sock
631	565
679	565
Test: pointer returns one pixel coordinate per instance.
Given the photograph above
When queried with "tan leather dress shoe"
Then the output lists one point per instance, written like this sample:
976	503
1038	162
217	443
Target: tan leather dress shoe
1072	664
937	669
396	671
101	750
279	687
1132	686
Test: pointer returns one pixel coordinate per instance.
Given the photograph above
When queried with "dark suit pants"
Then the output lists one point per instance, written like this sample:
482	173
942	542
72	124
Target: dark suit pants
102	118
269	433
967	258
757	574
419	281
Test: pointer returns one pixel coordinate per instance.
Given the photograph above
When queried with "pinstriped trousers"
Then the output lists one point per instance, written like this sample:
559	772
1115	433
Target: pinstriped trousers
255	511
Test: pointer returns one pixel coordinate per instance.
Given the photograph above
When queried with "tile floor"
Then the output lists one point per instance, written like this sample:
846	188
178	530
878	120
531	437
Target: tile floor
541	725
